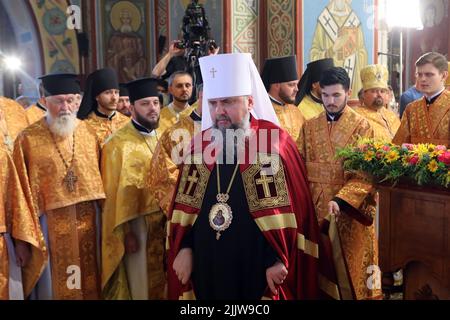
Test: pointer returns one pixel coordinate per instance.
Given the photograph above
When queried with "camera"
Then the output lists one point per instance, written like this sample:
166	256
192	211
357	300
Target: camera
195	25
196	34
180	45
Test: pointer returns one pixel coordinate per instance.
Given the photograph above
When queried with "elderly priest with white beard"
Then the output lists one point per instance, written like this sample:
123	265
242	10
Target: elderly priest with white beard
57	159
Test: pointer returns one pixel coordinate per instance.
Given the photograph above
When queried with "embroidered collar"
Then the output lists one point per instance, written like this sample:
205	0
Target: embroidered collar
194	116
335	117
101	115
276	101
433	98
40	106
143	130
314	98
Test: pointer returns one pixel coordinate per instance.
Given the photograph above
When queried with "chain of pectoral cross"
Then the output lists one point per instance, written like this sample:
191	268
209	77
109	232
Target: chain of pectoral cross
70	178
148	145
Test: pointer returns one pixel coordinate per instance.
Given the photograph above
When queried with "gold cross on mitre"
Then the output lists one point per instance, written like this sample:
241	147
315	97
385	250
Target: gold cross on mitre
213	71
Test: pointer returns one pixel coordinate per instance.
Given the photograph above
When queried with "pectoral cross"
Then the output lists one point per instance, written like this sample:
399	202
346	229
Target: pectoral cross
213	71
192	179
70	180
264	180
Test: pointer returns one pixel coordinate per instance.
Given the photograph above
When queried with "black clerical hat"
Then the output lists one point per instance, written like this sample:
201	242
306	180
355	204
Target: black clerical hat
279	70
97	82
102	80
61	83
143	88
311	75
123	90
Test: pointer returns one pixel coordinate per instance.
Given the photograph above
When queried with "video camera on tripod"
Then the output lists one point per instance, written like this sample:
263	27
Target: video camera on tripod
196	34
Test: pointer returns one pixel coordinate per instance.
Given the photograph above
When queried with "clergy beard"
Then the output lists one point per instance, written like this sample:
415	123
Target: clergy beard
285	98
150	125
341	108
180	100
234	138
125	112
63	125
378	103
244	124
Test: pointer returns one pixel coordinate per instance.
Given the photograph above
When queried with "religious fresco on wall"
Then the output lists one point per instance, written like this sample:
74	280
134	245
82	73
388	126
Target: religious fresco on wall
162	25
125	37
342	30
59	44
433	37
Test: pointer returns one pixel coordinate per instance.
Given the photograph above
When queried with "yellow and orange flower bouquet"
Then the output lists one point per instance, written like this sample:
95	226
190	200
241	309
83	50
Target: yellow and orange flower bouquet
423	163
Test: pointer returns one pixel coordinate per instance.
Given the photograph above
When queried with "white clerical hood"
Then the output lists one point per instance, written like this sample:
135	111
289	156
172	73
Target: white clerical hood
233	75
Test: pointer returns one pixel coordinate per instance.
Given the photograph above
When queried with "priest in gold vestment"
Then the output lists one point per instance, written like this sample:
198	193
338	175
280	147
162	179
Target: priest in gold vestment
343	201
180	87
308	98
14	121
123	105
18	223
447	81
133	234
384	121
57	159
99	105
281	79
4	135
172	147
427	120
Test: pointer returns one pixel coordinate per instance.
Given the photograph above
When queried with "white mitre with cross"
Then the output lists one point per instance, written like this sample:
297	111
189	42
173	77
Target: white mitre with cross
233	75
